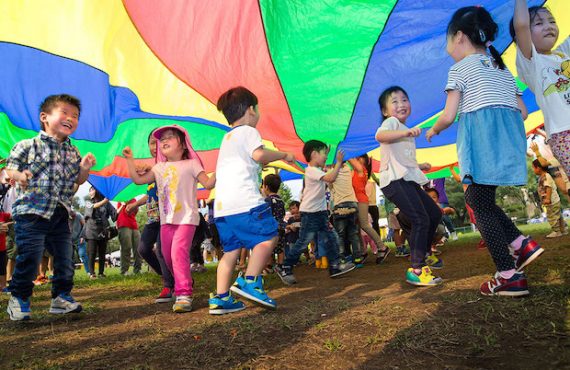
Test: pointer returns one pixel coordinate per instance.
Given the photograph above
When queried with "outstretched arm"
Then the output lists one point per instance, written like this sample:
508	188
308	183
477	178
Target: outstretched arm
265	156
147	178
448	116
332	175
521	23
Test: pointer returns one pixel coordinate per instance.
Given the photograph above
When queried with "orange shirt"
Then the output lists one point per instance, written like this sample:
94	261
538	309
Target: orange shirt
359	185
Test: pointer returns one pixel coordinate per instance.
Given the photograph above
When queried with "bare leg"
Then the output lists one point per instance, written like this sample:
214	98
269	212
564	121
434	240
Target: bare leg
226	270
259	257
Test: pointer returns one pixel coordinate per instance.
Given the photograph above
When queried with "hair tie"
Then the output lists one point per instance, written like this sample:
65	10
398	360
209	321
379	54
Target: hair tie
482	36
488	44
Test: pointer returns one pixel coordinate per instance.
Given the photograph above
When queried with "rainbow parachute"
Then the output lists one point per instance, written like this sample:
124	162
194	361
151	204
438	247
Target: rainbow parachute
317	67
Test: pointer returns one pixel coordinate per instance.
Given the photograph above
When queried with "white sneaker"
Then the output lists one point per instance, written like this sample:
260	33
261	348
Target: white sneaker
19	309
183	304
554	234
64	303
454	236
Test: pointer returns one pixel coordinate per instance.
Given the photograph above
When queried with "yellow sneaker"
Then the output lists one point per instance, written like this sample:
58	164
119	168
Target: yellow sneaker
324	263
424	279
318	263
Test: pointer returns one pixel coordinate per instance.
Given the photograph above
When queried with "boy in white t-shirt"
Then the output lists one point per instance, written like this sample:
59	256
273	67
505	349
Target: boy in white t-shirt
242	216
314	215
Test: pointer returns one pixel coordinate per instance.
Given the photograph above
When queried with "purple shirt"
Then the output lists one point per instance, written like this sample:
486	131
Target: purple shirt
439	185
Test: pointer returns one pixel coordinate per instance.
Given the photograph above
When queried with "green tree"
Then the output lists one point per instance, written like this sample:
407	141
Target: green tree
285	194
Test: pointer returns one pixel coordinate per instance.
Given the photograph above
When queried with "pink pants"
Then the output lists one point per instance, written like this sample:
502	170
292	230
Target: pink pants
175	242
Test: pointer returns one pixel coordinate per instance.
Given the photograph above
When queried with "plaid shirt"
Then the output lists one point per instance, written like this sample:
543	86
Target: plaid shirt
54	166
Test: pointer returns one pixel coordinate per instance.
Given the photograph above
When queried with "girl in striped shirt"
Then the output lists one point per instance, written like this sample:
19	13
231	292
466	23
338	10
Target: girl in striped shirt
491	141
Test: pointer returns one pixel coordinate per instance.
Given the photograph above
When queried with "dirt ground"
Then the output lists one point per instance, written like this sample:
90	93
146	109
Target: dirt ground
369	319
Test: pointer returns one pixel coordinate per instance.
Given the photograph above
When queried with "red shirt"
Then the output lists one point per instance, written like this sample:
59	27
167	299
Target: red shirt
125	219
359	185
4	217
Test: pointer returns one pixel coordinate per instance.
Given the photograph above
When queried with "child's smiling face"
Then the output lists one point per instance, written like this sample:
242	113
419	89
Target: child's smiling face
398	105
62	121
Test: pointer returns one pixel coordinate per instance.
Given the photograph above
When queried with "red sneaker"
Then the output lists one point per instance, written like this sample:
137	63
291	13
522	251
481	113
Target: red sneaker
513	287
481	245
529	251
165	296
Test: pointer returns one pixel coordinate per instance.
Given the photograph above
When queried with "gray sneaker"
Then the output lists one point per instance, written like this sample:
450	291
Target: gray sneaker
341	269
64	303
285	273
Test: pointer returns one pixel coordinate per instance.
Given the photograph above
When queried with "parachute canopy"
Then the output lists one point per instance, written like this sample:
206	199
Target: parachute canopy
316	66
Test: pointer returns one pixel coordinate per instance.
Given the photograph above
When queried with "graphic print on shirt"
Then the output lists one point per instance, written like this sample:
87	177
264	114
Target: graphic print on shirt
170	184
557	80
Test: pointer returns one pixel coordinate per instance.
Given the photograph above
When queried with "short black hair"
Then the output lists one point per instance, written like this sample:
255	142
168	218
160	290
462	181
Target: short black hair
294	203
383	99
273	182
536	163
51	101
432	190
313	146
235	102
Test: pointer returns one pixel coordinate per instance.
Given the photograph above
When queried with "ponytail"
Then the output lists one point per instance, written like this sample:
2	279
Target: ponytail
497	56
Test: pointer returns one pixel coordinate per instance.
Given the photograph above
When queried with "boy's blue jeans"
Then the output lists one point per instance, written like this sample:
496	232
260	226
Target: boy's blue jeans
82	253
346	228
33	234
314	226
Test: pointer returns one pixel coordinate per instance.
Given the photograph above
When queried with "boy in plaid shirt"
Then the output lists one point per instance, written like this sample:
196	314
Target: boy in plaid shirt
47	170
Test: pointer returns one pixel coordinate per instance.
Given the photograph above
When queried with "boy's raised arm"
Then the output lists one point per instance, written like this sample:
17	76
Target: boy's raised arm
265	156
332	175
86	163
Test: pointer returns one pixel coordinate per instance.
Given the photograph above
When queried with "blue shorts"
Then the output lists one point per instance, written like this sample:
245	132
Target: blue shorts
248	229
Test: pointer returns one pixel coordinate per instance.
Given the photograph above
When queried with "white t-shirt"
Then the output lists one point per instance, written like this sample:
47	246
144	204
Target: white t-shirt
314	197
398	159
237	174
548	77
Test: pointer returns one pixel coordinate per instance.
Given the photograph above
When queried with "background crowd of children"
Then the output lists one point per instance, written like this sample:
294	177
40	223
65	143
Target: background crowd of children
248	219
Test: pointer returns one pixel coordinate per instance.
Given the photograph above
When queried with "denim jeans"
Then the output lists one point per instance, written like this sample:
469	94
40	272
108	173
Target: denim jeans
347	228
33	235
424	215
314	226
149	237
82	253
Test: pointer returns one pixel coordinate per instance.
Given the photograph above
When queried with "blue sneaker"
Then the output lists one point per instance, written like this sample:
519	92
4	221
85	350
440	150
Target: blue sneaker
253	290
222	306
19	309
64	303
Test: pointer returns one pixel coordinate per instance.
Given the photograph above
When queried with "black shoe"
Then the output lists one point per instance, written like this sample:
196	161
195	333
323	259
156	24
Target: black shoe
285	273
382	255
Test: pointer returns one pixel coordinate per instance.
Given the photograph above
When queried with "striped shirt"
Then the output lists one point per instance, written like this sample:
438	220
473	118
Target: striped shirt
481	84
54	167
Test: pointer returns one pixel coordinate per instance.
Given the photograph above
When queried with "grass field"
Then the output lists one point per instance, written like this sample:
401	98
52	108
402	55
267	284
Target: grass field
370	319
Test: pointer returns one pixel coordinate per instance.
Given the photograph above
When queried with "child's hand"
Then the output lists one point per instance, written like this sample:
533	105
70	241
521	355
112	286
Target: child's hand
128	153
88	161
339	156
430	133
546	202
4	226
534	147
425	166
414	132
131	208
23	178
289	158
142	169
